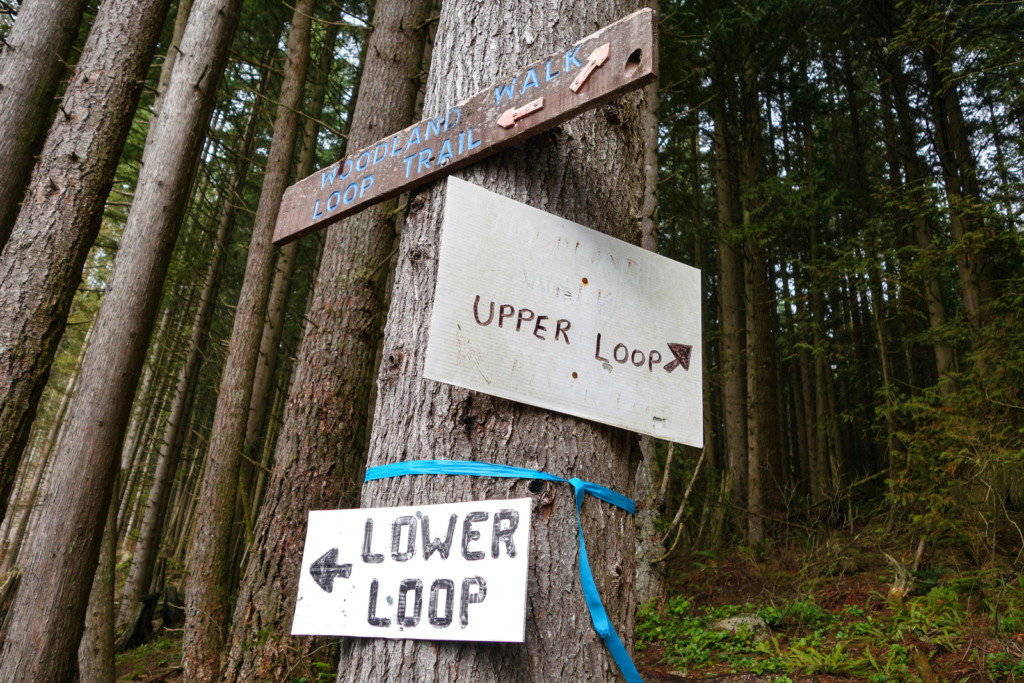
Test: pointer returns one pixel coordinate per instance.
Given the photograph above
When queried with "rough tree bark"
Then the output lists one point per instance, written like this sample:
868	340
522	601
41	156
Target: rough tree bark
144	557
42	263
31	65
320	447
587	171
96	651
208	582
46	617
650	574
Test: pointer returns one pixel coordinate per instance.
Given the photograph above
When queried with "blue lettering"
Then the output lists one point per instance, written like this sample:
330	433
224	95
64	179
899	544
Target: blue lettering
316	210
530	81
504	90
448	123
424	159
395	149
462	140
470	142
435	125
365	185
347	199
332	201
414	138
445	153
327	177
408	164
548	76
378	159
359	162
346	169
570	58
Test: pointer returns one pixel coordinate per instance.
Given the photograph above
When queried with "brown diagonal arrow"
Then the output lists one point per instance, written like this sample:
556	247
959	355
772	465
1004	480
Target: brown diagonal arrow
682	353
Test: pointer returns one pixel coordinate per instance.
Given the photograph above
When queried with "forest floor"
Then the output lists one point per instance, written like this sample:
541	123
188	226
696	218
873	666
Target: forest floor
826	617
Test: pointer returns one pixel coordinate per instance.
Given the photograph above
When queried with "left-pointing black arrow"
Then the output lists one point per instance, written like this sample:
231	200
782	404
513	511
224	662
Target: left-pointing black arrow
326	569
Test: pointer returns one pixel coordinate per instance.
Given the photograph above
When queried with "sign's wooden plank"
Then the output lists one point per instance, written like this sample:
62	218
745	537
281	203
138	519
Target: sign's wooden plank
437	572
599	68
538	309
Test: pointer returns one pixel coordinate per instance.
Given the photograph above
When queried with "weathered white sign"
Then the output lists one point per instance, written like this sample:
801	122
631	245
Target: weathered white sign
434	572
538	309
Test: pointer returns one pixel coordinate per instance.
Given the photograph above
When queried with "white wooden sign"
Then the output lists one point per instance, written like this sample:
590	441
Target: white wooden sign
538	309
434	572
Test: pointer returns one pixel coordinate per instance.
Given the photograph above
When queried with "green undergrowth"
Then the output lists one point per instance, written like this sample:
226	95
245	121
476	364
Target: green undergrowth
966	627
159	659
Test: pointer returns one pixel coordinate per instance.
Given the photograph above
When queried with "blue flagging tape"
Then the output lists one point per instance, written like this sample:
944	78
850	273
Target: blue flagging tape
602	624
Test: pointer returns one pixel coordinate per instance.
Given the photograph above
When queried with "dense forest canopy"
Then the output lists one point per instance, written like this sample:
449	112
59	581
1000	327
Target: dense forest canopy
176	392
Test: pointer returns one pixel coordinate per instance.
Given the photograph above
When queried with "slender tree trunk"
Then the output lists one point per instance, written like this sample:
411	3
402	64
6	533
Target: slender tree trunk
32	63
171	55
650	576
56	426
960	176
141	406
45	621
42	262
144	558
734	370
917	181
323	435
96	651
207	586
763	471
417	418
264	390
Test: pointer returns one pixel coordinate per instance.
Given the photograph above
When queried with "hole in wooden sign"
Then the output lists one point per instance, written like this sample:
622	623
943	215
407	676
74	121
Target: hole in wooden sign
633	61
574	375
585	281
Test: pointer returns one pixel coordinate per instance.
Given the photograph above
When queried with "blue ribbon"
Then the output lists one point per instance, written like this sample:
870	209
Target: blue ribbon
598	615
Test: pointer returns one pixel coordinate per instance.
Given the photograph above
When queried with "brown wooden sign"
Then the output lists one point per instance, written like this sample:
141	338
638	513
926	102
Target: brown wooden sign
618	58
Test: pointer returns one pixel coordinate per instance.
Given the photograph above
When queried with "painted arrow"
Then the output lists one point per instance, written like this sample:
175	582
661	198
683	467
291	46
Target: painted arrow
326	569
597	58
509	118
682	353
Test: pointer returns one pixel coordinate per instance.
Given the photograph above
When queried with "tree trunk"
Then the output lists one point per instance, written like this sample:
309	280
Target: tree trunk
144	557
733	344
763	470
319	451
916	192
171	55
650	575
207	586
96	651
42	262
10	556
46	617
264	390
32	63
417	418
960	177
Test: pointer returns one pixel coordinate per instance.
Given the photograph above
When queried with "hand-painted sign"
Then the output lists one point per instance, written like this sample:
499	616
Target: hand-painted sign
535	308
432	572
618	58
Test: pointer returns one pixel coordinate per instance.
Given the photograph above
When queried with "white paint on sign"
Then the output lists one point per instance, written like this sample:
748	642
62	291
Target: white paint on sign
433	572
538	309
